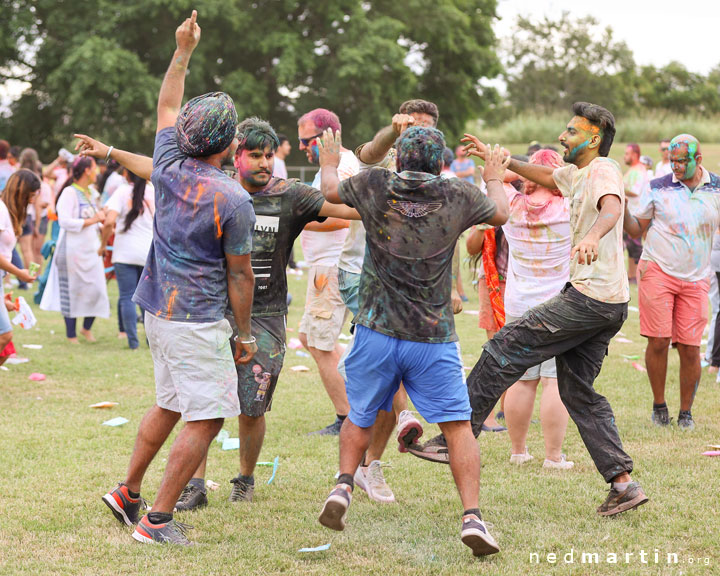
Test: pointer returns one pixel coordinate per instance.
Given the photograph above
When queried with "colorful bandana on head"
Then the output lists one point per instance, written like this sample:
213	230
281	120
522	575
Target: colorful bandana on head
206	125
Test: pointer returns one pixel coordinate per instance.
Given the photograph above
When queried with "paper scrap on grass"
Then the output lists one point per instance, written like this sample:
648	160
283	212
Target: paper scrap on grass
344	337
472	312
36	377
211	485
104	405
33	346
119	421
316	549
300	368
712	453
231	444
294	344
222	435
639	367
623	340
276	463
302	354
16	360
633	308
630	356
716	446
5	368
704	363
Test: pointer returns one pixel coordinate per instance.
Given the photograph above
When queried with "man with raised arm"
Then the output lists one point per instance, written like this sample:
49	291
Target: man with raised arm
404	329
576	326
199	260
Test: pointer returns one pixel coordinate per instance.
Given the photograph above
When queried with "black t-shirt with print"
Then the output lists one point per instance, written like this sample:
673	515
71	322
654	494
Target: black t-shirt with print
413	221
282	209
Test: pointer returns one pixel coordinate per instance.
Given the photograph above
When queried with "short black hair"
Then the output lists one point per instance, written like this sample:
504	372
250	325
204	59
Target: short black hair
421	107
282	138
600	117
254	133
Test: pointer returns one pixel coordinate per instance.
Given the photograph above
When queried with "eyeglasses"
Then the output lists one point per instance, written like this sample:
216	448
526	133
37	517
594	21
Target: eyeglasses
664	149
306	141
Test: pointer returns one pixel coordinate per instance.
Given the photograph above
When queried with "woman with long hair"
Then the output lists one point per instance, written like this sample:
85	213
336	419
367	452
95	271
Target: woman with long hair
76	285
20	191
130	212
36	225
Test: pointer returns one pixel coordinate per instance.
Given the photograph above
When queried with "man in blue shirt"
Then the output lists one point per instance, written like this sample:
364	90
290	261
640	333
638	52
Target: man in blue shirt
199	260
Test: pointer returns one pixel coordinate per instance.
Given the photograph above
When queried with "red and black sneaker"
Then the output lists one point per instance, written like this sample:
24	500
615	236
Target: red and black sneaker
125	508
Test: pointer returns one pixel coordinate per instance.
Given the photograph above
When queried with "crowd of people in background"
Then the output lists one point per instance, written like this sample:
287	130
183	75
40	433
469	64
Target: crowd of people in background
379	227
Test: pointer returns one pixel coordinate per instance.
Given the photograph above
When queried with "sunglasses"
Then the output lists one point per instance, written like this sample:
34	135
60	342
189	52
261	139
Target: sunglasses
306	141
664	149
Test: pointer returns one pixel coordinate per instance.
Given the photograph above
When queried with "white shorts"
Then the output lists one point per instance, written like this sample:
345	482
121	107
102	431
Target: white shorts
325	310
547	369
194	368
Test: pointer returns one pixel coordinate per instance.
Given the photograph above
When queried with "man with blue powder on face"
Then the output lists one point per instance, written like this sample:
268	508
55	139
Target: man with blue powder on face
680	213
404	329
199	260
577	325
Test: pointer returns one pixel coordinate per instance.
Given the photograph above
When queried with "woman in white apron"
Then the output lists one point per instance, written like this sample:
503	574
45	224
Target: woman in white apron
76	285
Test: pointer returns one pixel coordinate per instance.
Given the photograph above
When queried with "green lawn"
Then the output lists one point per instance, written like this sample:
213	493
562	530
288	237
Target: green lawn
57	461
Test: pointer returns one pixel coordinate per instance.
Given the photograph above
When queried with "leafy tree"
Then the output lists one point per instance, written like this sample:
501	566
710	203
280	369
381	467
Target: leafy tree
675	89
96	66
552	63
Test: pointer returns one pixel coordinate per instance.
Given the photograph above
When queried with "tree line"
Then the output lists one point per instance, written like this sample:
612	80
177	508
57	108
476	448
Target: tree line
96	65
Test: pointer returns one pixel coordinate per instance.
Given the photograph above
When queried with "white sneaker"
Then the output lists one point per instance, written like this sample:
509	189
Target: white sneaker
564	464
521	458
409	430
372	480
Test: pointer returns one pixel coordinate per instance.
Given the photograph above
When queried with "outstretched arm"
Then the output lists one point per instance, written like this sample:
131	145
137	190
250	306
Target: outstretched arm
187	37
375	150
136	163
542	175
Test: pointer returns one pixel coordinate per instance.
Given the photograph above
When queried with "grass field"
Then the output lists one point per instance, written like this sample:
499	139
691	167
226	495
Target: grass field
57	460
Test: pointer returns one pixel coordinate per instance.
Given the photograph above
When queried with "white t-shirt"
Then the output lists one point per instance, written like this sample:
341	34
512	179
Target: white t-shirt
538	237
680	236
132	247
7	233
113	182
662	170
279	169
605	279
324	248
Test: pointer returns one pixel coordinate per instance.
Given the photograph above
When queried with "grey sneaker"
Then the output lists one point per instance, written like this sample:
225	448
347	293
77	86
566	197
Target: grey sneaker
434	450
241	490
660	416
372	480
335	508
329	430
685	421
409	430
191	498
476	536
616	501
169	533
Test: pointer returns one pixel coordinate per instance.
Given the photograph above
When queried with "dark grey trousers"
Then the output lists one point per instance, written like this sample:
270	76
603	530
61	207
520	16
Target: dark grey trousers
576	330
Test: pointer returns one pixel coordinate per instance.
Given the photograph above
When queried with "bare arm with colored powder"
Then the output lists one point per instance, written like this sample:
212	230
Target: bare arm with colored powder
375	150
187	37
330	225
635	227
587	248
542	175
241	285
329	157
136	163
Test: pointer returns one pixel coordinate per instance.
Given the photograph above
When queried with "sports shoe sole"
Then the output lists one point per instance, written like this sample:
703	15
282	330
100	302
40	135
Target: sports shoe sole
625	506
408	435
117	511
478	543
144	539
334	513
437	457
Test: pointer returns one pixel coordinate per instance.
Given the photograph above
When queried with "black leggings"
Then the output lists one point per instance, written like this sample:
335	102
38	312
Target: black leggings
70	324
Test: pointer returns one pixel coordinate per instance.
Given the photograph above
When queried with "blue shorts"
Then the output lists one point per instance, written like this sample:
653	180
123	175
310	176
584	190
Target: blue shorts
431	373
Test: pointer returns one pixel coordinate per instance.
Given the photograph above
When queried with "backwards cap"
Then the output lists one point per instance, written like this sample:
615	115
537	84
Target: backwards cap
206	125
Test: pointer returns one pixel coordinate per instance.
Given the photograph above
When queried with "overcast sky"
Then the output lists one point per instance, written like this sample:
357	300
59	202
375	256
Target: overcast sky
657	31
